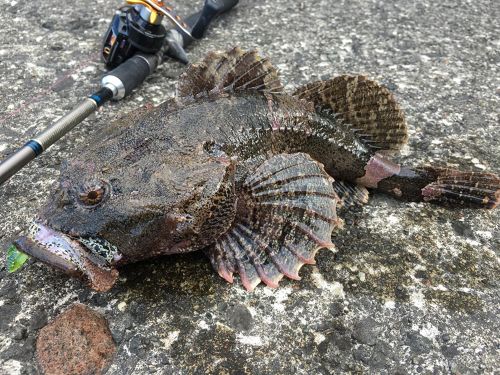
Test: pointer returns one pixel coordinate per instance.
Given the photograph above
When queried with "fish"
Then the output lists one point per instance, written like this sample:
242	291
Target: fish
236	167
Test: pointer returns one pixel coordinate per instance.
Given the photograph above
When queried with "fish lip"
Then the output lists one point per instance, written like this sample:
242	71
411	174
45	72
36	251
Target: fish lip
66	254
30	247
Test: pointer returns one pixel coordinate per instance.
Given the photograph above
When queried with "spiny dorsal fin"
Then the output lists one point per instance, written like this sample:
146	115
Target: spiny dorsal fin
234	70
285	214
370	108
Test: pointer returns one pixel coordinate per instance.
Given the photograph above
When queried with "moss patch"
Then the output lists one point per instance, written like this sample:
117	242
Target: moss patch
454	300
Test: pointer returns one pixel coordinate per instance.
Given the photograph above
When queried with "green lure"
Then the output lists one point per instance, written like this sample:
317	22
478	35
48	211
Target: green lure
15	259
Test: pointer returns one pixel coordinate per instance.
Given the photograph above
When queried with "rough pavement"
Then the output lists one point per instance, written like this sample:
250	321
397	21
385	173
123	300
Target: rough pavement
412	288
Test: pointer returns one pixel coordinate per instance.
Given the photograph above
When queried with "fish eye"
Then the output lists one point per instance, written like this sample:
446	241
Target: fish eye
93	194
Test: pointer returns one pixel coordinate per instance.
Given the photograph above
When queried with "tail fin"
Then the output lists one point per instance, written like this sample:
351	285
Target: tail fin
444	186
472	189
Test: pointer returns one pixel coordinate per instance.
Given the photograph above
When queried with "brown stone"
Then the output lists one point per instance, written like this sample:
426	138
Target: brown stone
77	341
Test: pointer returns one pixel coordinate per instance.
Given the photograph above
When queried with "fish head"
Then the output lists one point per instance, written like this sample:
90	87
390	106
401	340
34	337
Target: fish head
101	215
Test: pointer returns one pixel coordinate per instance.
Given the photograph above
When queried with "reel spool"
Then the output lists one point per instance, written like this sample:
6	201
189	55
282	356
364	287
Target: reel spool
137	27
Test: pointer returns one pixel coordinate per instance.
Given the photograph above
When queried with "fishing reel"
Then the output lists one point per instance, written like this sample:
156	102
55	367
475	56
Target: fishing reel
137	28
134	45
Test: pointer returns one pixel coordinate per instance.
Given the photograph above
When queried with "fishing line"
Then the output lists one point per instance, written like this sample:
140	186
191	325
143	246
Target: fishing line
26	104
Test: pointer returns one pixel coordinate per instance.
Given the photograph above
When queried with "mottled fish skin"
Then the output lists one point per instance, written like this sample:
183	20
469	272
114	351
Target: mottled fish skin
153	165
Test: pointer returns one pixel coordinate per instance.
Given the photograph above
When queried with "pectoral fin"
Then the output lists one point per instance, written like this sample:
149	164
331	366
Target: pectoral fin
285	214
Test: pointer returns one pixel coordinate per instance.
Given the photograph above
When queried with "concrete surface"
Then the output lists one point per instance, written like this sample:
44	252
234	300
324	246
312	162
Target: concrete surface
412	289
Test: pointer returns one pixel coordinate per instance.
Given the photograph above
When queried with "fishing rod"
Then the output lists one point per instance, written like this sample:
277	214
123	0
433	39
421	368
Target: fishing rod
135	44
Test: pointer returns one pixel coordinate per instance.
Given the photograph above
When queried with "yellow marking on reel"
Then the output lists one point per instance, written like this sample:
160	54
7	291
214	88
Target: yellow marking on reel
158	8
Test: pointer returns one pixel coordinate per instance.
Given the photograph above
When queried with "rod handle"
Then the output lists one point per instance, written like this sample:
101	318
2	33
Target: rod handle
211	9
129	75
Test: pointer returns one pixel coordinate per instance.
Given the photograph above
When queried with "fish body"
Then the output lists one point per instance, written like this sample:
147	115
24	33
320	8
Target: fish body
238	168
160	160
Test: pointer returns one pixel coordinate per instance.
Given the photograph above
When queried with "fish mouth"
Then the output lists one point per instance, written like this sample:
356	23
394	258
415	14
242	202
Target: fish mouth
78	257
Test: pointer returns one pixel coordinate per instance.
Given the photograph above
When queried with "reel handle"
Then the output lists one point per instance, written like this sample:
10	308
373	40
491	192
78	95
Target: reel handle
211	9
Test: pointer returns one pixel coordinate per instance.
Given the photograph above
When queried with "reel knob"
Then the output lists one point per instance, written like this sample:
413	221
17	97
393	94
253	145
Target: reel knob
130	33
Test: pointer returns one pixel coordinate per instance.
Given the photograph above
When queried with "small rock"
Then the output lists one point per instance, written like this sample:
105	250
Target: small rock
78	341
98	300
318	339
401	293
21	351
49	25
9	290
19	333
137	345
391	86
366	331
241	318
458	368
84	295
8	313
121	306
418	343
336	309
421	274
449	351
378	360
119	327
163	359
462	229
343	343
38	320
382	353
137	310
57	47
363	354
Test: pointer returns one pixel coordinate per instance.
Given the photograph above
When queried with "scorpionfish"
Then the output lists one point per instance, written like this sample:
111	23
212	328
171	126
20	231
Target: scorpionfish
238	168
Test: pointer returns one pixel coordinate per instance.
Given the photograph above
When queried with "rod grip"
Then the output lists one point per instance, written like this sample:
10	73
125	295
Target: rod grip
129	75
66	123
